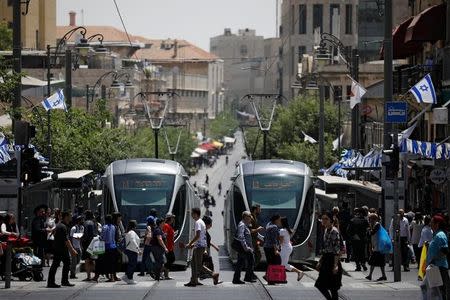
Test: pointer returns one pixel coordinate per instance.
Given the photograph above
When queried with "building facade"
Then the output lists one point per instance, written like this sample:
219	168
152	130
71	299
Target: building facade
38	26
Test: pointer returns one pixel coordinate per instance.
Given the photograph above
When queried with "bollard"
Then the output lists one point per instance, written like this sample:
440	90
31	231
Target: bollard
8	255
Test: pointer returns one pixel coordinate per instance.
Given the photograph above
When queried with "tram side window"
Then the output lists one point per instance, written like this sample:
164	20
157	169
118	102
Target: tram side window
238	205
179	207
305	223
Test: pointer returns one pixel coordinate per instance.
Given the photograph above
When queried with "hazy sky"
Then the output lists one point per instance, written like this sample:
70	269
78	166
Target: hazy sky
192	20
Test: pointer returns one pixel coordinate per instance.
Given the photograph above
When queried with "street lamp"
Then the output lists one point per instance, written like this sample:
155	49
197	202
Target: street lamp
157	115
352	62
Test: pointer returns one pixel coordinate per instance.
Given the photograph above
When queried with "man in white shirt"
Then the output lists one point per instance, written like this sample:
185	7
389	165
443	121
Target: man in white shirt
198	244
76	233
405	237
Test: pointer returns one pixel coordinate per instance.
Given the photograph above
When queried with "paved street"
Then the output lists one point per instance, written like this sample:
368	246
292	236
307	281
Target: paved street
355	286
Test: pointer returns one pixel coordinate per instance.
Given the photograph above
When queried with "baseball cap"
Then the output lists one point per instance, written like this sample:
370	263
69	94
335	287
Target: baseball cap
170	215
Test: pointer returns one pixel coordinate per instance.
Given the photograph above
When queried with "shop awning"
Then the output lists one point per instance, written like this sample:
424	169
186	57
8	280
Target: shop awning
400	48
428	26
73	175
195	155
217	144
229	140
208	147
200	151
335	184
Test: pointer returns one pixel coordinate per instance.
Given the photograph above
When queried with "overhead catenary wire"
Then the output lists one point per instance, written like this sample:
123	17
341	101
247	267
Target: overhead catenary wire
123	25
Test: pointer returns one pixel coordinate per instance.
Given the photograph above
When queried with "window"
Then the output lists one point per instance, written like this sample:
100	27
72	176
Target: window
306	219
318	17
179	208
294	62
348	19
335	11
244	50
349	91
301	51
302	19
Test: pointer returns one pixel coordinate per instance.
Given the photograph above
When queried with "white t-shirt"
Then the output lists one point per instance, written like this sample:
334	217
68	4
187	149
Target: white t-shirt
286	238
200	226
132	241
76	232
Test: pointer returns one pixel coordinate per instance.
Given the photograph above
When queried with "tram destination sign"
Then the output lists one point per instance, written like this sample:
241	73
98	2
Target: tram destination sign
396	112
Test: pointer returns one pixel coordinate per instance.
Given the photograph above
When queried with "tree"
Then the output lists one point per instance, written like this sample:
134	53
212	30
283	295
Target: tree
225	124
8	82
6	36
285	139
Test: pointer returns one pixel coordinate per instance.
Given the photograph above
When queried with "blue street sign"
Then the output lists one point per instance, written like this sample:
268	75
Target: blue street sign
396	112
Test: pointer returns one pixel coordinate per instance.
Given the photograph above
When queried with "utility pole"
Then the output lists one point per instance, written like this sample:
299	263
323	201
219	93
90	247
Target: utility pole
17	56
355	111
49	112
68	91
388	96
321	126
280	72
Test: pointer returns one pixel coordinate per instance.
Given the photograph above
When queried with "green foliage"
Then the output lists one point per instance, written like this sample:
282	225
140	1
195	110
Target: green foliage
225	124
286	140
9	81
6	36
80	140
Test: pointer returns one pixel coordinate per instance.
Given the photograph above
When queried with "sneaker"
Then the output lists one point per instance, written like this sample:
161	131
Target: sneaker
53	286
382	278
300	276
131	282
368	277
238	282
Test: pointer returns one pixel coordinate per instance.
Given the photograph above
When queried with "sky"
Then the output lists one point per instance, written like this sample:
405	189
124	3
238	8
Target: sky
195	20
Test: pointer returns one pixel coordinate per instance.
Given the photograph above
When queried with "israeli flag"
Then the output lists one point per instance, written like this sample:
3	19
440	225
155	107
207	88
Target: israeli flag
55	101
424	91
4	154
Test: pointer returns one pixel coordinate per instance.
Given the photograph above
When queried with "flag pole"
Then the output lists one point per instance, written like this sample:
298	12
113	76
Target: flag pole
419	114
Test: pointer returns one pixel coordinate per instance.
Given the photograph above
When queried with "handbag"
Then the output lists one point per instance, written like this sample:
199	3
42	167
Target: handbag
433	276
96	247
276	274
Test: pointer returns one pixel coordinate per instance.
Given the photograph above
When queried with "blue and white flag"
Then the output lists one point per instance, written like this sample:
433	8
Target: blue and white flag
55	101
424	91
4	147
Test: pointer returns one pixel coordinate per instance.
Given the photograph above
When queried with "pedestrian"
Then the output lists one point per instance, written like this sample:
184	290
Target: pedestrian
245	254
76	233
271	241
61	249
286	248
357	231
376	259
109	259
206	179
219	187
90	231
9	227
405	237
169	232
132	250
39	232
50	224
336	217
329	265
208	265
198	244
438	251
426	234
416	230
146	264
344	220
120	235
256	231
158	247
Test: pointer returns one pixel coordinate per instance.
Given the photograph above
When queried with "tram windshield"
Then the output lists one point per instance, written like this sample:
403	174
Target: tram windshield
136	194
275	193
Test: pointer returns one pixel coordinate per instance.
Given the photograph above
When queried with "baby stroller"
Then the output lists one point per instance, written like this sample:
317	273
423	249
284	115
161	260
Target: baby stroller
24	264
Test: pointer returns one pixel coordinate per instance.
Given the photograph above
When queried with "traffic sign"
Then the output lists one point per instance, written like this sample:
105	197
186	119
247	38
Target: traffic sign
396	112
